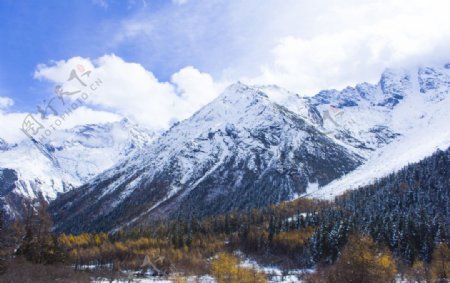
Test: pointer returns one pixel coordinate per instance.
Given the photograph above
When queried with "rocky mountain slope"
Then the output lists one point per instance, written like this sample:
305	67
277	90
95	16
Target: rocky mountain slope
400	120
252	146
240	151
29	170
418	122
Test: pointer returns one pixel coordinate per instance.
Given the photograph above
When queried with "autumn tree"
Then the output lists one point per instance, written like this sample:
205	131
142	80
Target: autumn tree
440	265
226	269
362	261
419	272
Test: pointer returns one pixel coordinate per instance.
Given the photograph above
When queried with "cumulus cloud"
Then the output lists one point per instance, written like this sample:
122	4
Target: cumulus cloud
11	123
131	91
404	33
195	88
126	90
301	45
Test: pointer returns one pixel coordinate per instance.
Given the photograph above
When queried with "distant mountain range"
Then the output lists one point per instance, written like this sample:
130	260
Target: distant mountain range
239	151
258	145
31	169
250	147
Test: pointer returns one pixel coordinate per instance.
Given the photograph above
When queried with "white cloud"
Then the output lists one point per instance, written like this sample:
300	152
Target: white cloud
133	92
130	29
11	123
373	37
5	102
127	90
179	2
302	45
195	88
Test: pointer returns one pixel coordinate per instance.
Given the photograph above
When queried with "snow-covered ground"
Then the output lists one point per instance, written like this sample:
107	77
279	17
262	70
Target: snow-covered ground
169	279
275	274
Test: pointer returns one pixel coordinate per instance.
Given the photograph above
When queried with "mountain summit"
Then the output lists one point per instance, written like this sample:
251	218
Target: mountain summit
240	151
70	159
250	147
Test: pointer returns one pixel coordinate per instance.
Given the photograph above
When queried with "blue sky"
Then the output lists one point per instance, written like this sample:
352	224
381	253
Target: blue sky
165	59
36	32
165	38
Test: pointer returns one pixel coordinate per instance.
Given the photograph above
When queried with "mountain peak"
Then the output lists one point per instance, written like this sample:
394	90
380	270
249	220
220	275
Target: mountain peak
241	93
238	152
234	104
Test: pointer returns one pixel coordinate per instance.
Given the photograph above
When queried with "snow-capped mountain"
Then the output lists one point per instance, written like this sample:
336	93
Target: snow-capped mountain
401	119
258	145
421	118
31	169
356	117
240	151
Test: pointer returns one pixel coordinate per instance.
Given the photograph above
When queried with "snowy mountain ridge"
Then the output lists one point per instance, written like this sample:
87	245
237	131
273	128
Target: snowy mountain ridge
231	154
289	145
71	158
420	117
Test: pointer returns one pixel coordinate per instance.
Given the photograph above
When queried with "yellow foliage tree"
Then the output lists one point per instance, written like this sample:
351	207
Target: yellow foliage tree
362	261
440	264
225	268
419	272
290	242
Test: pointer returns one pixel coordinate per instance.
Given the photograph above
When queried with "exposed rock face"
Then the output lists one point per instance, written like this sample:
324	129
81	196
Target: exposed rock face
240	151
68	160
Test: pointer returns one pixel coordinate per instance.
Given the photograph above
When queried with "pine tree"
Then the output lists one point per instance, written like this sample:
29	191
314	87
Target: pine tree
3	243
38	244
